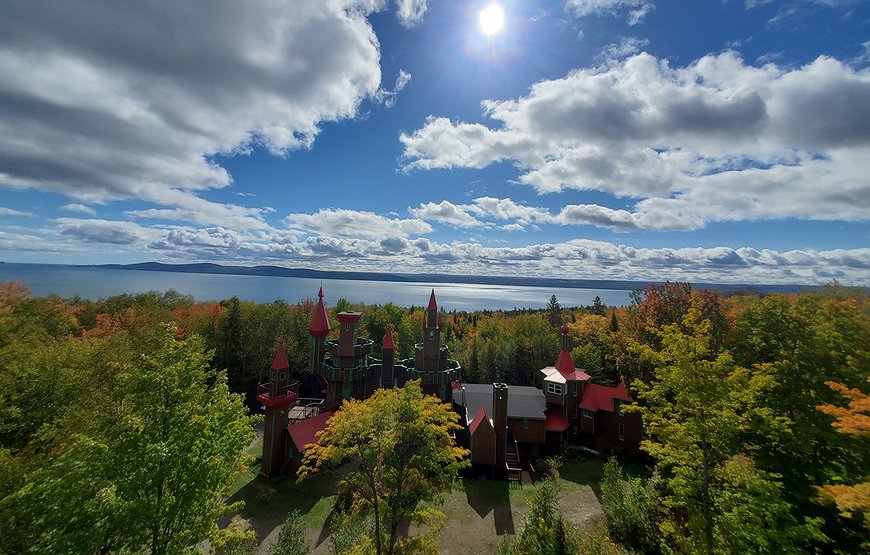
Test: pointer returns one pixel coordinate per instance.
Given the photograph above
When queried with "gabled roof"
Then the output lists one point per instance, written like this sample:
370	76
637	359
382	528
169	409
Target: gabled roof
552	374
280	360
478	419
555	421
305	431
319	326
600	397
389	344
523	401
432	304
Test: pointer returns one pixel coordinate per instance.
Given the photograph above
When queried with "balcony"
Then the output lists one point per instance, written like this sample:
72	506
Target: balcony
277	395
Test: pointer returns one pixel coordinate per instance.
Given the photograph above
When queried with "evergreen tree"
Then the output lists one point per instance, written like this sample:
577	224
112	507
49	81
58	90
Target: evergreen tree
554	310
291	539
614	323
597	306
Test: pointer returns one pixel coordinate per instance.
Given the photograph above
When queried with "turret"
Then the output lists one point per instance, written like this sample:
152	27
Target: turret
318	329
276	394
388	364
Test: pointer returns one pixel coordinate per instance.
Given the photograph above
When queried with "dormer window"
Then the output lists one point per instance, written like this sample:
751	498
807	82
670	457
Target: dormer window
554	388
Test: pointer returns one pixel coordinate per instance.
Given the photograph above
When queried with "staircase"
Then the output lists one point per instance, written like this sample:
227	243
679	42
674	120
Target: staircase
512	465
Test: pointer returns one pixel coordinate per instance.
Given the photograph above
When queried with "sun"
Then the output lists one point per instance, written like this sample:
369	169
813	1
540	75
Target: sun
491	19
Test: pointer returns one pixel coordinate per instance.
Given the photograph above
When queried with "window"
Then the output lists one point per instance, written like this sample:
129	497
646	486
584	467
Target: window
588	414
554	388
347	327
575	389
282	376
431	335
622	432
574	429
525	423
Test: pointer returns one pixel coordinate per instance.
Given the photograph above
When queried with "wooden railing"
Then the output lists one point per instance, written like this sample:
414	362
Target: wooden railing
266	390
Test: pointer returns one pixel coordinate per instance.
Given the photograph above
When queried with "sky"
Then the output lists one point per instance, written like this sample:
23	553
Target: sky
707	141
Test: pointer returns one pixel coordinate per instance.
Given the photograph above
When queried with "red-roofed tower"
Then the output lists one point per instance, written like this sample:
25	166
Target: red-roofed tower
276	394
388	362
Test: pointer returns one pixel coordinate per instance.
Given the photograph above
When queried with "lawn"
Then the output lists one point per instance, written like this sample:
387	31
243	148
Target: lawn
478	512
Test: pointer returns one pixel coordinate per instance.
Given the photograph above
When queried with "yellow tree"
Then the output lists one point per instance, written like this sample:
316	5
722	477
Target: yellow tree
400	442
853	420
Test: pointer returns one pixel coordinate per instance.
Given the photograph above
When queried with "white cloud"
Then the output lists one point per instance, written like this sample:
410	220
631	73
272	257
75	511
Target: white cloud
356	224
410	12
388	98
618	50
77	207
105	231
716	140
445	212
133	107
636	9
12	212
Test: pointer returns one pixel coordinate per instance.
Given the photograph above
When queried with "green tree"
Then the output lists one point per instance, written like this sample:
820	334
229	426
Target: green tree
155	476
291	539
544	531
598	307
554	312
400	442
632	508
697	409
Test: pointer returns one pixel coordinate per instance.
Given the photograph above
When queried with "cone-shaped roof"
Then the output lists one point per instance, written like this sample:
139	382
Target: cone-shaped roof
388	338
280	360
432	304
319	326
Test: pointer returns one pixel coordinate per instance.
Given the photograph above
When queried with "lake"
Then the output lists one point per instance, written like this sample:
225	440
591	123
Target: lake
94	283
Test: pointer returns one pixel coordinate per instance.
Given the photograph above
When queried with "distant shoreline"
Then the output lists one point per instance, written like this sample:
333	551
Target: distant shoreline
278	271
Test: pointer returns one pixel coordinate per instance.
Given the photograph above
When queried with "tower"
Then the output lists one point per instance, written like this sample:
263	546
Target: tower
431	337
388	363
318	329
276	393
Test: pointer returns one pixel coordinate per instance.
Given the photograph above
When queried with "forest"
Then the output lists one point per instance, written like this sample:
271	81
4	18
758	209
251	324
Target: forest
757	423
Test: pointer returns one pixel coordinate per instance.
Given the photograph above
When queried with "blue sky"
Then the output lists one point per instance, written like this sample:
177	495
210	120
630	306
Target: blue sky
615	139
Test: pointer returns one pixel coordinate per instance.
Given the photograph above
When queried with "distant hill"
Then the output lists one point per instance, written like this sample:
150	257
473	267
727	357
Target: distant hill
278	271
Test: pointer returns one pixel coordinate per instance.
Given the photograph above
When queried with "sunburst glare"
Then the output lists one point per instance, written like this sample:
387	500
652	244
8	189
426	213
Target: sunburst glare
491	19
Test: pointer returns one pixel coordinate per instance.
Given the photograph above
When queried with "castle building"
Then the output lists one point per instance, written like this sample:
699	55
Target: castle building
503	426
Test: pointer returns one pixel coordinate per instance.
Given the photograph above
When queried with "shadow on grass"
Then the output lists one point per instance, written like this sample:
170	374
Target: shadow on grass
269	501
491	496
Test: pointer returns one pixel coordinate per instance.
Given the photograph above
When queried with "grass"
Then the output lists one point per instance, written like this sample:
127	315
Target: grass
478	512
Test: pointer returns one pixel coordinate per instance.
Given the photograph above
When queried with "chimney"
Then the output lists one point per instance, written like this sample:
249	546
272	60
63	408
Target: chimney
499	424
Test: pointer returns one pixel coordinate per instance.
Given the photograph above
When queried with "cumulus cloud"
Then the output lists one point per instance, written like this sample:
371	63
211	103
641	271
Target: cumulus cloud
135	106
104	231
717	140
635	10
445	212
356	224
77	207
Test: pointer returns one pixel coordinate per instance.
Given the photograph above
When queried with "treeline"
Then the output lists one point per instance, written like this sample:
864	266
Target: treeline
730	390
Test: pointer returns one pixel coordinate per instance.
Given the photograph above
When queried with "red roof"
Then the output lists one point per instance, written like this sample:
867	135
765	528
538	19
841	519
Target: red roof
565	365
388	338
319	326
432	304
555	421
305	431
478	418
600	397
280	360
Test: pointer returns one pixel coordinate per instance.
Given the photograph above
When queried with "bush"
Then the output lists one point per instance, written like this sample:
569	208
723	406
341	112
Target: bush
632	508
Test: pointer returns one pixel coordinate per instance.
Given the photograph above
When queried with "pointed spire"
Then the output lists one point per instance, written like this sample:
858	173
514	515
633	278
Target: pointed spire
432	304
280	360
388	338
319	326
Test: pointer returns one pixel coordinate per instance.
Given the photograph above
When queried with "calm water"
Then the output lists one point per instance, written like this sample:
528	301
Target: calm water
95	283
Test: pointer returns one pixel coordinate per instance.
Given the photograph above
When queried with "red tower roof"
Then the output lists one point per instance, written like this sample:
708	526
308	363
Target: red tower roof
478	418
280	360
432	304
565	365
388	338
319	326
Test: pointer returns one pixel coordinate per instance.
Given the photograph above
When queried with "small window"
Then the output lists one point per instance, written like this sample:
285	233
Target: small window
525	423
554	388
347	327
574	429
282	376
431	335
622	432
575	389
617	406
588	414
